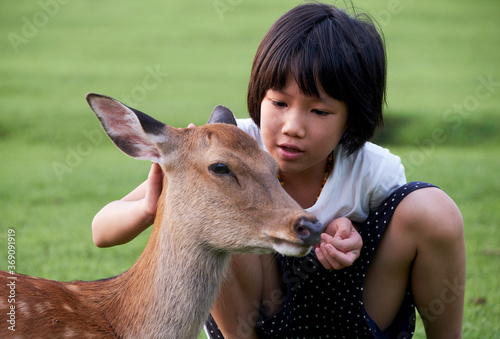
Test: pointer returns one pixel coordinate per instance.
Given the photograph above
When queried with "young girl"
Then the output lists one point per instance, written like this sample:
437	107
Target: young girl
316	94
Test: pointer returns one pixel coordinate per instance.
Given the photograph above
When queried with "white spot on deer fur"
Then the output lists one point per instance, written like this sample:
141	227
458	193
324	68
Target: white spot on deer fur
73	288
24	308
39	308
69	334
43	307
68	308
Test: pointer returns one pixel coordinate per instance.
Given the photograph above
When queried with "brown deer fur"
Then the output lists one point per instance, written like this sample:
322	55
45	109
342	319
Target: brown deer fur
202	216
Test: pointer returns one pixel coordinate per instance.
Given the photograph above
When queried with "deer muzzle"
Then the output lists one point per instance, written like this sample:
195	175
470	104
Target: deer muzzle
308	231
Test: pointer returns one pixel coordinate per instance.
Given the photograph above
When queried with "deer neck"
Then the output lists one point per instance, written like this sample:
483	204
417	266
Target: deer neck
169	291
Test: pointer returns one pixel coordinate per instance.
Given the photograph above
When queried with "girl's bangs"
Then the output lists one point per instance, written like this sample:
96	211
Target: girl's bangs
312	70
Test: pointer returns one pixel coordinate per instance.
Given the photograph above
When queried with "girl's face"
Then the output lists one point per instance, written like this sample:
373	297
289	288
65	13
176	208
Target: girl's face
300	131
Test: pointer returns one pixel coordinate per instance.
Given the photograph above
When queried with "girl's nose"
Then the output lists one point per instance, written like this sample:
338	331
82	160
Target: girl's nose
293	125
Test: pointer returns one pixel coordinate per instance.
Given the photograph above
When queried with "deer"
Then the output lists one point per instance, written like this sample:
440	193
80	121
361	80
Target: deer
220	196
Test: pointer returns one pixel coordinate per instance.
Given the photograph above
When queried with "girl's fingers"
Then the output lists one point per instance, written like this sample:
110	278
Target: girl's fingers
153	188
322	259
353	243
340	227
331	258
340	259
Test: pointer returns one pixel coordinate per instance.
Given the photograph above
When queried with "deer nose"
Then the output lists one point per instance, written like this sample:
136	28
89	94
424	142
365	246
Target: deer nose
308	231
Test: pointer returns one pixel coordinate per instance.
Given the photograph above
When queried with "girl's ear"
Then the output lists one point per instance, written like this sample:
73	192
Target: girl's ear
132	131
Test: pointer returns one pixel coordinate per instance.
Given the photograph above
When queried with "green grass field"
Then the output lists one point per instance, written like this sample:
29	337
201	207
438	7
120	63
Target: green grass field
176	60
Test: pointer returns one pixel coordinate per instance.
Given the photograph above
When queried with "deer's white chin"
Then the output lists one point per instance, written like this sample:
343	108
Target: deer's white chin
290	249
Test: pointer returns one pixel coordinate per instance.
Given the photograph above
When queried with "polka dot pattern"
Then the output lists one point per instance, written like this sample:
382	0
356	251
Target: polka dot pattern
329	304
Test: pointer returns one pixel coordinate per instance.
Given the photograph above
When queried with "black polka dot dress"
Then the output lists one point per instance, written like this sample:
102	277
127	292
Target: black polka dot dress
329	304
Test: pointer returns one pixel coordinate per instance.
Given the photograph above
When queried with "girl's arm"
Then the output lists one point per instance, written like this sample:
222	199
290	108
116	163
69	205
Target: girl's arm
122	220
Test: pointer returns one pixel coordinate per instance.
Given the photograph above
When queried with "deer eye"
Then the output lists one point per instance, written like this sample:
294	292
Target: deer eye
219	168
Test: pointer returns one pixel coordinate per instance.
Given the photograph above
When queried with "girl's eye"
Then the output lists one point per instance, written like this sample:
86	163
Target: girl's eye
279	103
319	112
219	168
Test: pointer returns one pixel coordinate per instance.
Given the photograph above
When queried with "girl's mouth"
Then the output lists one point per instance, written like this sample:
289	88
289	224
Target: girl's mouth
289	152
290	148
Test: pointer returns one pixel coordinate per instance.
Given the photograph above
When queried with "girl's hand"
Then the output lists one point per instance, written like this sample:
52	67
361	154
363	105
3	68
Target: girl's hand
149	202
340	245
153	191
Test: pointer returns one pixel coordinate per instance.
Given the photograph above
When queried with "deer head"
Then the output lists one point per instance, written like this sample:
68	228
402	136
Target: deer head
221	188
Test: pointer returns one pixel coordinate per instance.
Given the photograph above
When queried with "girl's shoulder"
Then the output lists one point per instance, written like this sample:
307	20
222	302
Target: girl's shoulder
371	157
372	172
374	153
249	126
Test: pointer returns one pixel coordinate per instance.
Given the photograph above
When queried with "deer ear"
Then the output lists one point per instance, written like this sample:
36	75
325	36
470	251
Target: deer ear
132	131
222	114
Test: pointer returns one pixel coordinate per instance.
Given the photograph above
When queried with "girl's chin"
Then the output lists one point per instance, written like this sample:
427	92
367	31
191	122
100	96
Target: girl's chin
289	167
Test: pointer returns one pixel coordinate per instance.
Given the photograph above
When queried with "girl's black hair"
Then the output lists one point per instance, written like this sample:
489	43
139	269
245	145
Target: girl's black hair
323	47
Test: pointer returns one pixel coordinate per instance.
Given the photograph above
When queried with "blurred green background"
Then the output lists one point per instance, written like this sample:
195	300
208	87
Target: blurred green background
176	60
